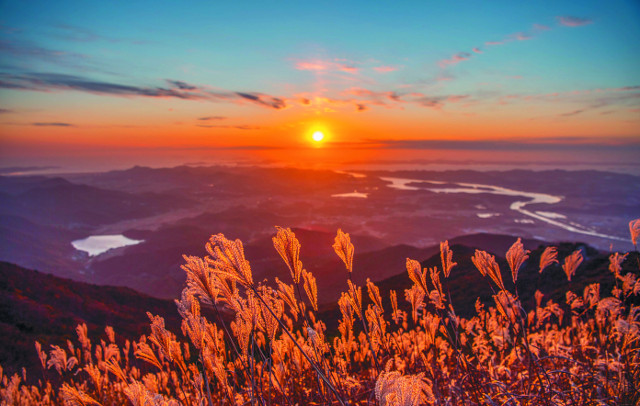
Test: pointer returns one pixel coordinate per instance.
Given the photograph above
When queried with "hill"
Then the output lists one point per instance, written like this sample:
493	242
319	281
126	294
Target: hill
38	306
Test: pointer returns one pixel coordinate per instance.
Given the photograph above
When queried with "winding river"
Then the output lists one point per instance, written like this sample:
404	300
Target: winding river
518	205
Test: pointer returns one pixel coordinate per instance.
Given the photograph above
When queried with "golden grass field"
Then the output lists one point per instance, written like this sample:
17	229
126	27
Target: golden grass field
264	345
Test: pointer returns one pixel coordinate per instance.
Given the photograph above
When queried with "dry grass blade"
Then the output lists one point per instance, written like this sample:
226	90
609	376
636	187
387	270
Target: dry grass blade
227	257
634	230
571	263
516	255
615	263
311	288
288	247
344	249
487	265
75	397
417	274
548	257
446	256
395	389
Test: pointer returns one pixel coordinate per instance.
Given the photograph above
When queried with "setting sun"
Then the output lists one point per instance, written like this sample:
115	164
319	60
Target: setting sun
318	136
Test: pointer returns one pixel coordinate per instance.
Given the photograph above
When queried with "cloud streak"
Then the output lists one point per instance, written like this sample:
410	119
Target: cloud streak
209	118
384	69
53	124
570	21
318	65
232	127
465	56
264	100
558	143
455	59
47	82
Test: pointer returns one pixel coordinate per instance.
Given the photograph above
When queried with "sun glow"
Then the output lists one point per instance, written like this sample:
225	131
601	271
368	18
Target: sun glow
318	136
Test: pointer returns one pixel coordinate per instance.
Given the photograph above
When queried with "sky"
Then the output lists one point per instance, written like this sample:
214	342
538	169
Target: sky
126	80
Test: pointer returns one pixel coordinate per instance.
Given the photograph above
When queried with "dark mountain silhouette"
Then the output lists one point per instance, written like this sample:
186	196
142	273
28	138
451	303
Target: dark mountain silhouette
465	283
37	306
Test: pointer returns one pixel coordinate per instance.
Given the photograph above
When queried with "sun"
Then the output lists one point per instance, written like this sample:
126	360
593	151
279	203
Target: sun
318	136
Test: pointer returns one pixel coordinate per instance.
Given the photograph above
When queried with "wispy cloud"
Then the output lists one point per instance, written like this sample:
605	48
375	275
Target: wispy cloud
74	33
54	124
370	95
55	81
209	118
319	65
232	127
557	143
465	56
437	102
541	27
177	89
455	59
522	36
5	111
25	49
361	98
182	85
572	113
582	101
384	69
264	100
570	21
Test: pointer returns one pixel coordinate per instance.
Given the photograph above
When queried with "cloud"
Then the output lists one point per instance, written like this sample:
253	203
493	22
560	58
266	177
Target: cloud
212	118
28	49
582	101
558	143
73	33
53	124
384	69
570	21
27	53
78	34
522	36
269	101
626	88
181	85
455	59
319	65
372	95
541	27
5	111
56	81
232	127
362	98
437	102
572	113
46	82
477	50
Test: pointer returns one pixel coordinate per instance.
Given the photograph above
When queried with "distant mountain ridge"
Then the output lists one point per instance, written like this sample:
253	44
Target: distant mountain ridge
59	202
175	210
